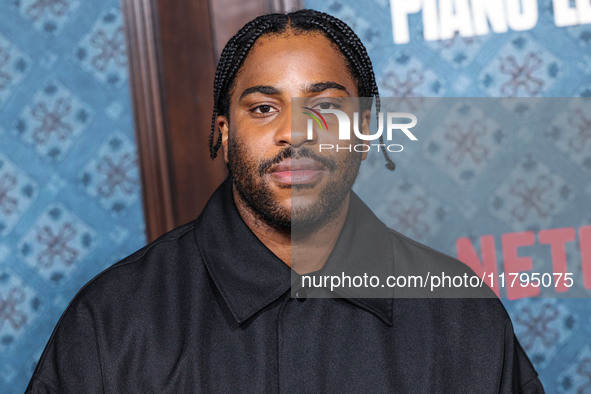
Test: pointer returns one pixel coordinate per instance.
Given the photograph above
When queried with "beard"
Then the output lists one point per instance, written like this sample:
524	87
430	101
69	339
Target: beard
250	176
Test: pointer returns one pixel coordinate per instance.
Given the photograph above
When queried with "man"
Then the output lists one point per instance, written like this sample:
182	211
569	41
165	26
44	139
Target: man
208	307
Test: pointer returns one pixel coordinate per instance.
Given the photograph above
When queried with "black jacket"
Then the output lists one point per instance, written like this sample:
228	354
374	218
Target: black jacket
207	308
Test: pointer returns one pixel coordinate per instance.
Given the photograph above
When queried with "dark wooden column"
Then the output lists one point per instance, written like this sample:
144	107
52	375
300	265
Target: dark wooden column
150	127
173	48
188	65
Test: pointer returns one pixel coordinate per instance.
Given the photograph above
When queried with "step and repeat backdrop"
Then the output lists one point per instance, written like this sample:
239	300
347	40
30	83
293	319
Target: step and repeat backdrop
70	201
503	184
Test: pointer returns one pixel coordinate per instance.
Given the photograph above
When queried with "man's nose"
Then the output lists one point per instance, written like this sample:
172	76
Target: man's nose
293	129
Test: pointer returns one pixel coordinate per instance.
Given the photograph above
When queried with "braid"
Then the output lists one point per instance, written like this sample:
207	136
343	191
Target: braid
337	31
226	72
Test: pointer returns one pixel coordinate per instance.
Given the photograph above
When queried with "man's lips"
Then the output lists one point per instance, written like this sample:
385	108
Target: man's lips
297	171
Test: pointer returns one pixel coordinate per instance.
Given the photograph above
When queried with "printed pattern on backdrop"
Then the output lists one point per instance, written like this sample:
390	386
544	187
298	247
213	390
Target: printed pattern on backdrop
52	121
491	183
70	198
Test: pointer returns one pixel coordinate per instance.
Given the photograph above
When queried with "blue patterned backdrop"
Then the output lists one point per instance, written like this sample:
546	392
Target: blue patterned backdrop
438	194
70	201
69	188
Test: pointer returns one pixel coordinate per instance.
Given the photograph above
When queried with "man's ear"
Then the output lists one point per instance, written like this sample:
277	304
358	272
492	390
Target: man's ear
223	127
365	120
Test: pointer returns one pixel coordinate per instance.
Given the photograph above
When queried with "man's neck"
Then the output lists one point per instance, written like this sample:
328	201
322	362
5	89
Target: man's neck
304	254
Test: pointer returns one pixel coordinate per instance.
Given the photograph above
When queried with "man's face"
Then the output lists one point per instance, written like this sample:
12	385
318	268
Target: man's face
277	171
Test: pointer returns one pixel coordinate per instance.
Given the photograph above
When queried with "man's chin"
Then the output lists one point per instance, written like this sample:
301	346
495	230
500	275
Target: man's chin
300	209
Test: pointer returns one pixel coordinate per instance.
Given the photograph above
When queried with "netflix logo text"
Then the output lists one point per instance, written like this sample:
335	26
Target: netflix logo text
515	262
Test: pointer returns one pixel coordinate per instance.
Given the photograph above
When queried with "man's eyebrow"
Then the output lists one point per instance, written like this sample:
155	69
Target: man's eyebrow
322	86
264	89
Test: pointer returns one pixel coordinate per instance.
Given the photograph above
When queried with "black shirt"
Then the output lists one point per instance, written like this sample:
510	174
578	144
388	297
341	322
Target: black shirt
207	308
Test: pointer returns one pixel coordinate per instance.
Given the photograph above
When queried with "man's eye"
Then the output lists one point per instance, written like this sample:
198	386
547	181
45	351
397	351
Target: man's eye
262	109
327	105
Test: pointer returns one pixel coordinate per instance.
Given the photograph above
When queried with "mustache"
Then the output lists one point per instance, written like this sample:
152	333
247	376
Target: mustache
289	152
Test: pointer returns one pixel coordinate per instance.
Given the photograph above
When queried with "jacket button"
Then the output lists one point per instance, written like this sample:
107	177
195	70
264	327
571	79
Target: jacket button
301	295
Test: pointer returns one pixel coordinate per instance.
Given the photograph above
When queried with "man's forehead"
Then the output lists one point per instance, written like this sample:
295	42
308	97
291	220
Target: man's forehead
294	43
292	62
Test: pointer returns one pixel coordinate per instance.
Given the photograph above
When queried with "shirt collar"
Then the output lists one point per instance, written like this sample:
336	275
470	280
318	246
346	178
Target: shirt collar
250	277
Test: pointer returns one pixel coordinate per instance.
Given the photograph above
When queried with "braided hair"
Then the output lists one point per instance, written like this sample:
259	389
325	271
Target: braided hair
337	31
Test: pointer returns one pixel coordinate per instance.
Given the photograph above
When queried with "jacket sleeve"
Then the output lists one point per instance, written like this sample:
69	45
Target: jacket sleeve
518	374
70	362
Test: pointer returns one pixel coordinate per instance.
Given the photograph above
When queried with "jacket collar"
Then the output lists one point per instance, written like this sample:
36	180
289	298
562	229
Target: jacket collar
250	277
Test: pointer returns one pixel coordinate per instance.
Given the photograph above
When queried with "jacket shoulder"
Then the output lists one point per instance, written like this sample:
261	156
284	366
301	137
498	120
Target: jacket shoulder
423	257
451	277
162	258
